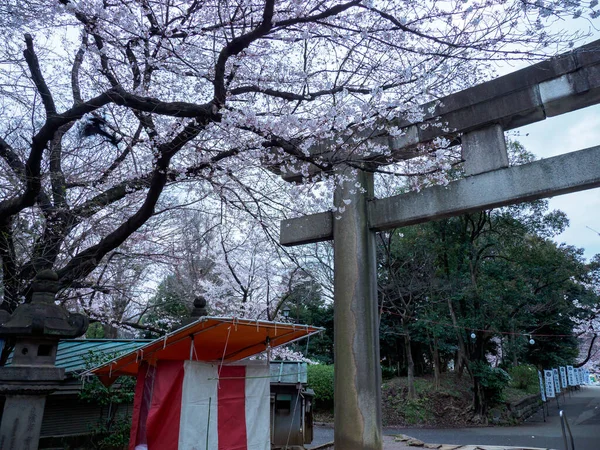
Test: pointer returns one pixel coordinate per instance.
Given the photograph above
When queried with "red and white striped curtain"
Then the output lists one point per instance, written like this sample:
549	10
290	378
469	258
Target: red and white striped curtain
189	405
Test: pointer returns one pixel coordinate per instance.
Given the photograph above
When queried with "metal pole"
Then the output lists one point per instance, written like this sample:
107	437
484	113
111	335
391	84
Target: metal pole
564	421
543	412
564	432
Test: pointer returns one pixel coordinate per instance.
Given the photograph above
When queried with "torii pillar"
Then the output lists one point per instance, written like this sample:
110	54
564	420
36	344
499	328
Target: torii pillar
357	393
479	115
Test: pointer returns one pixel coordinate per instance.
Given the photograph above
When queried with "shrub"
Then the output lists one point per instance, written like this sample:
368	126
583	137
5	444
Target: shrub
387	372
110	437
110	432
524	377
320	380
492	379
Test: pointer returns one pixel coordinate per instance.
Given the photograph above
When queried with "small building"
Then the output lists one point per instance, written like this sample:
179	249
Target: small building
67	418
197	384
291	405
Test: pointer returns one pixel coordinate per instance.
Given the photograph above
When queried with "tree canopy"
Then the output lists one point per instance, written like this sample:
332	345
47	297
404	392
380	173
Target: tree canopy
138	132
488	289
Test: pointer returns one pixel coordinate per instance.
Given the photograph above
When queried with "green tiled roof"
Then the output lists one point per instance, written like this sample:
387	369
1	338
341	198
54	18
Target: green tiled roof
71	353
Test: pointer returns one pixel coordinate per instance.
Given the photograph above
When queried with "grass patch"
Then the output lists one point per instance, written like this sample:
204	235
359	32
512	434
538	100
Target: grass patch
442	407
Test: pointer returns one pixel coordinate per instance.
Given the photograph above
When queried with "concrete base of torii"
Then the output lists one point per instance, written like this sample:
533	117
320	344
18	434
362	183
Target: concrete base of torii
357	393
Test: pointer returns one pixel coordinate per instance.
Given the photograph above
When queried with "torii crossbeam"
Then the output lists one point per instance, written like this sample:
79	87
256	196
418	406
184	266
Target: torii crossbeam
480	115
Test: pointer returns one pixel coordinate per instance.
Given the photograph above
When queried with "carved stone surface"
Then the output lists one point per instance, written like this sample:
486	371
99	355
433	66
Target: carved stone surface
34	329
42	317
199	307
22	422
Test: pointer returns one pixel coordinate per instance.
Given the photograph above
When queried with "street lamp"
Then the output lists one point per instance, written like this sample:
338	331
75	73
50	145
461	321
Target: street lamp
286	312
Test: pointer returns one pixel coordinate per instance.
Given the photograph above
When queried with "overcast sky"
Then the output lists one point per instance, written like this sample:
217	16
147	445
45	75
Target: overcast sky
558	135
563	134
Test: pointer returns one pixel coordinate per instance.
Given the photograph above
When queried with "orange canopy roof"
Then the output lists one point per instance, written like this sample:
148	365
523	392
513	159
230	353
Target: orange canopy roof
208	339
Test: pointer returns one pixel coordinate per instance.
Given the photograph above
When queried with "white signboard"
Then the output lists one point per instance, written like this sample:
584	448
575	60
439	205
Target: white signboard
556	381
571	375
578	377
549	381
586	376
542	386
563	377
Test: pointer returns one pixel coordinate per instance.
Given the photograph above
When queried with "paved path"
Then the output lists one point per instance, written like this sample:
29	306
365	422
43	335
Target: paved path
582	409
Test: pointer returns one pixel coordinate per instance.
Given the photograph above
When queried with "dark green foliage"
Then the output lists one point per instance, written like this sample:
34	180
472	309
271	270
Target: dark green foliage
94	391
307	306
494	274
95	331
113	433
524	377
493	380
320	379
168	307
113	436
388	372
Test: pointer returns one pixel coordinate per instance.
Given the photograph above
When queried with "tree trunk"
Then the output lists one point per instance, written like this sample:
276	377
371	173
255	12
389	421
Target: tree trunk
436	365
9	282
110	332
412	393
515	361
462	351
479	403
513	347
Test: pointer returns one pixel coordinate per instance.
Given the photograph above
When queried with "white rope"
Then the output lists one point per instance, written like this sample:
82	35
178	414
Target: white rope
292	421
208	423
195	353
224	353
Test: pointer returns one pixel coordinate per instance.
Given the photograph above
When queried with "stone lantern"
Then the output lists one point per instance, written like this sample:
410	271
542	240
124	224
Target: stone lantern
199	310
34	329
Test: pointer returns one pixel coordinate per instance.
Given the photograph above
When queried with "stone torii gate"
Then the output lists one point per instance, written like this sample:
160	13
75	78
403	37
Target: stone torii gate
480	115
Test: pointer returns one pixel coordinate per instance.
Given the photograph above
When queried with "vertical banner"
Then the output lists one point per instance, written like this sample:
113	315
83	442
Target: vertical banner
542	390
549	381
556	380
587	376
563	377
571	375
578	376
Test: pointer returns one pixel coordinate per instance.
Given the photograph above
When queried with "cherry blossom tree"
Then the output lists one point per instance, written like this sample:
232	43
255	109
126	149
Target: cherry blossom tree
588	327
117	113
